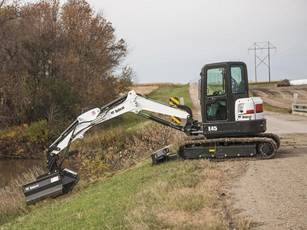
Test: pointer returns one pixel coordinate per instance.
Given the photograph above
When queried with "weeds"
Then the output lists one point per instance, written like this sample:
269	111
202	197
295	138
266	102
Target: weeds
11	197
184	199
97	155
191	202
117	149
24	141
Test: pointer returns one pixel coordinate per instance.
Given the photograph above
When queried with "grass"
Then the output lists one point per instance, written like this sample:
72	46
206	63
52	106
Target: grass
174	195
268	107
11	199
122	142
139	198
164	92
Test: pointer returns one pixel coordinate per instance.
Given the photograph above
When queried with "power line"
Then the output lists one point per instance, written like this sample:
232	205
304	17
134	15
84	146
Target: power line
260	59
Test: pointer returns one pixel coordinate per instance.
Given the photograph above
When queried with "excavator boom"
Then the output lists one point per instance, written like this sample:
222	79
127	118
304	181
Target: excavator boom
58	181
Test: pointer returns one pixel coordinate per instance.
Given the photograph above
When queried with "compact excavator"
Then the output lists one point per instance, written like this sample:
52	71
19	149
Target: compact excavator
233	125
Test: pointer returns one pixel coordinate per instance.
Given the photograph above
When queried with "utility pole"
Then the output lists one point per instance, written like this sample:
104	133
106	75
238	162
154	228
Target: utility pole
260	59
255	57
269	61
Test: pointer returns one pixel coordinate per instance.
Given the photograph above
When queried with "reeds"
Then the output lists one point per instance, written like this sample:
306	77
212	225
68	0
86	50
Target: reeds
12	200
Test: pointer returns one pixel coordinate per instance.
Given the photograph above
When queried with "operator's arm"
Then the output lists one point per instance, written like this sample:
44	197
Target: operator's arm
131	102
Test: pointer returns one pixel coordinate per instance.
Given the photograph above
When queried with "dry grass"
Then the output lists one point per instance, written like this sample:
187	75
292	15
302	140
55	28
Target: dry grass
11	197
186	199
191	197
174	195
115	149
144	89
147	88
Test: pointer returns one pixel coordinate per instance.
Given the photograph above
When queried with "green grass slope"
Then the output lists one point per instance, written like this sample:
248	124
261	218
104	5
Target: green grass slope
100	206
105	201
165	91
174	195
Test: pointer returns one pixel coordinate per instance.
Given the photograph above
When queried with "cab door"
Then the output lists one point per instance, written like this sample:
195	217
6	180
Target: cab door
214	93
238	85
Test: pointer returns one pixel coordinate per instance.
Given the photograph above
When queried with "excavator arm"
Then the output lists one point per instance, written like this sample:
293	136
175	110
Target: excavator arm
58	181
131	102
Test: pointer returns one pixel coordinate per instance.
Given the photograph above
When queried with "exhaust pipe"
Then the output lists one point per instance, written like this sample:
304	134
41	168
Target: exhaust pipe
50	185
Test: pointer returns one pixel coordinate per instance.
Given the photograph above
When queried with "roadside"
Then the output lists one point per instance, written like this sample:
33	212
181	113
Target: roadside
285	123
175	195
273	193
113	146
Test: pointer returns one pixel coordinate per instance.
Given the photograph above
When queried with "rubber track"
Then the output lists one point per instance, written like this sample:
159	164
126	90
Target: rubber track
235	140
272	136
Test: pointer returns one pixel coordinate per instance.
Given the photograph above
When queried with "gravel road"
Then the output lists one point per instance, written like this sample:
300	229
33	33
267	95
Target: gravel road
273	193
285	123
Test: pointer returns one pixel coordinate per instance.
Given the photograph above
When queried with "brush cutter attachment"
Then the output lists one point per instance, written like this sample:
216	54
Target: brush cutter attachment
50	185
162	155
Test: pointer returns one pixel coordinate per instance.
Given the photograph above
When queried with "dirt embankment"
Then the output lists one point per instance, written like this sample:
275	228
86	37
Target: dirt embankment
144	89
193	91
281	97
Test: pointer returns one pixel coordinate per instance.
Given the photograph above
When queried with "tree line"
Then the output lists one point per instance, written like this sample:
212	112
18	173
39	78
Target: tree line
57	59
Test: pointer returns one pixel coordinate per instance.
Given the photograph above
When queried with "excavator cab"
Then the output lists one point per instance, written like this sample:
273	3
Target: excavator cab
233	123
222	85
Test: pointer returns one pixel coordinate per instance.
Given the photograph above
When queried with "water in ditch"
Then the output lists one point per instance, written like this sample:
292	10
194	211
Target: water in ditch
11	169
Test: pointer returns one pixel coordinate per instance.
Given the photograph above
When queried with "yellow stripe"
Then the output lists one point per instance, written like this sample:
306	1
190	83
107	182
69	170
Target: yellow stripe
171	103
174	100
176	120
212	150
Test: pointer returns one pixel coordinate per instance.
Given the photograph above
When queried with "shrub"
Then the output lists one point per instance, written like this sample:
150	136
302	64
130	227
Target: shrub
37	132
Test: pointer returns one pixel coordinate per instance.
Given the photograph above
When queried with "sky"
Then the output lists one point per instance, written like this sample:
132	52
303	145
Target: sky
170	40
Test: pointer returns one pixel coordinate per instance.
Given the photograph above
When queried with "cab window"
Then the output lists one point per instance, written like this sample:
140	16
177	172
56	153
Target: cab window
215	82
237	80
217	110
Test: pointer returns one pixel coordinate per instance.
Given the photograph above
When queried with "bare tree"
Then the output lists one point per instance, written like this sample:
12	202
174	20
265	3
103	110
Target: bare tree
2	3
57	59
